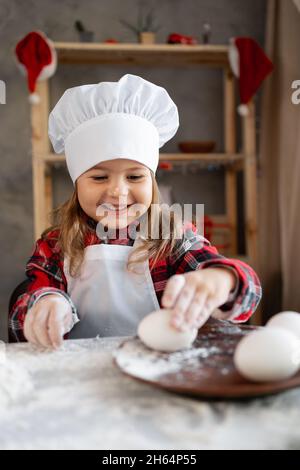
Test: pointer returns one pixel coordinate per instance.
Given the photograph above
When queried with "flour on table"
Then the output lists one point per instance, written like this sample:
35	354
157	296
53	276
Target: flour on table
15	383
136	359
17	370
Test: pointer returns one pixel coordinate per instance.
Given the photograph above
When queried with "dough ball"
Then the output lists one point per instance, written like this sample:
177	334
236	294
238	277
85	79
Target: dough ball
288	320
267	355
156	332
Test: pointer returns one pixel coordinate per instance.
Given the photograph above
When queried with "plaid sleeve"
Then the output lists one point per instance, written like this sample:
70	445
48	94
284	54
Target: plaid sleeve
196	252
44	271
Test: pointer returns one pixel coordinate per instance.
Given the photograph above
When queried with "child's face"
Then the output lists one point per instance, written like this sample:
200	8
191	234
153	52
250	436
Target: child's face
117	183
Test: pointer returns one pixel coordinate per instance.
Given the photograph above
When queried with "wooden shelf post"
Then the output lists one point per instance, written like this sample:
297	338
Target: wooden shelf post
230	147
42	181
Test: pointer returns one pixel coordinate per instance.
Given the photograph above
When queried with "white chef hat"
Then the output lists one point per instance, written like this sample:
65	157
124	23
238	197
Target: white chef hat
131	118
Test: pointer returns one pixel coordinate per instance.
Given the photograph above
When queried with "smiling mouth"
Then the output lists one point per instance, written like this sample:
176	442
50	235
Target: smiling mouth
112	208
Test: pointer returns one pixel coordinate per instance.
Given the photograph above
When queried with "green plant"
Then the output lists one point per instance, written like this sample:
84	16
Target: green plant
145	23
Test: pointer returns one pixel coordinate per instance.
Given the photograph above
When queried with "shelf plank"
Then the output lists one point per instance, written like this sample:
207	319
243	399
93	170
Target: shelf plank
142	54
209	158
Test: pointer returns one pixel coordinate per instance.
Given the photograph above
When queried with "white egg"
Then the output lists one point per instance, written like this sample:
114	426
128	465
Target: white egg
288	320
268	355
156	332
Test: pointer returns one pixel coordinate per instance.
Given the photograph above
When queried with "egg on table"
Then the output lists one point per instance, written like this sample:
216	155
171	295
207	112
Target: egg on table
289	320
267	355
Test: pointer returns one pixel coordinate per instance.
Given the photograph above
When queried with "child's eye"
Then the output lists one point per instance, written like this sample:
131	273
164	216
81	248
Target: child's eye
98	178
135	177
132	177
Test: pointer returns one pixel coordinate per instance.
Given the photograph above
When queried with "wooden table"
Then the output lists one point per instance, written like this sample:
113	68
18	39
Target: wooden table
76	398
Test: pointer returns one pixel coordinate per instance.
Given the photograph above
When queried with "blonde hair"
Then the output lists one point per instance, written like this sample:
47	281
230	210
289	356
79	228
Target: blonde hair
72	223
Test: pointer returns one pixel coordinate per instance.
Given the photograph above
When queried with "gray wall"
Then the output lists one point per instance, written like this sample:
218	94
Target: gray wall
197	93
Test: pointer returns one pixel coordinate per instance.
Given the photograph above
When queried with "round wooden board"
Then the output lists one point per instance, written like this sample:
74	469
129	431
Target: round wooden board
205	370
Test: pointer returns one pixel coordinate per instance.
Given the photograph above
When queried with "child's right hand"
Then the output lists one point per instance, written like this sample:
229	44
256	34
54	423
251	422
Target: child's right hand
47	321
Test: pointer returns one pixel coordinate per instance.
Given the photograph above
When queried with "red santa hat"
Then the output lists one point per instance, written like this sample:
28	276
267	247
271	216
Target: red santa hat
36	57
250	65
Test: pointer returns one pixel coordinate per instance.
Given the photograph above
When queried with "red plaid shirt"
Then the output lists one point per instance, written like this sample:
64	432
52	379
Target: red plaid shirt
45	275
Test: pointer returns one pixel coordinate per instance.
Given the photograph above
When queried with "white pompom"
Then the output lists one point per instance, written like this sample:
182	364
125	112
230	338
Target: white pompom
234	58
243	110
34	98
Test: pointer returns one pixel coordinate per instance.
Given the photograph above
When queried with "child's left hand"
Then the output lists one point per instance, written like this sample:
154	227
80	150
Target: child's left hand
195	295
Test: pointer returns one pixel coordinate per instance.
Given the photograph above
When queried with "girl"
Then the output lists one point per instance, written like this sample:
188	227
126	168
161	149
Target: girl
96	271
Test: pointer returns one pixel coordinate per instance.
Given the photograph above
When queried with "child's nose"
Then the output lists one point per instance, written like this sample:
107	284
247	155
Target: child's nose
120	190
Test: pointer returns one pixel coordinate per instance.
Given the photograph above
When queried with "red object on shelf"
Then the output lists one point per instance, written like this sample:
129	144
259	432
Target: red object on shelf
111	41
209	226
176	38
165	166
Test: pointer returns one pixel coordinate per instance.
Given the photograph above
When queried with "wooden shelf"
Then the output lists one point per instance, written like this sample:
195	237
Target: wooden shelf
209	158
170	55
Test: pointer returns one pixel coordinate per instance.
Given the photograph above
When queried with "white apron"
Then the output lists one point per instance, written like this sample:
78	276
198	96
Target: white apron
110	301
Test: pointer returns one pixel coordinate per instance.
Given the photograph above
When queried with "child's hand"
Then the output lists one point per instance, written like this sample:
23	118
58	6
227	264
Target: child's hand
47	321
195	295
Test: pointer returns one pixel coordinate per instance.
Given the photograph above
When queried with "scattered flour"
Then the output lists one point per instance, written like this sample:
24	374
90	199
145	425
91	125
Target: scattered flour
134	358
15	383
28	365
82	401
